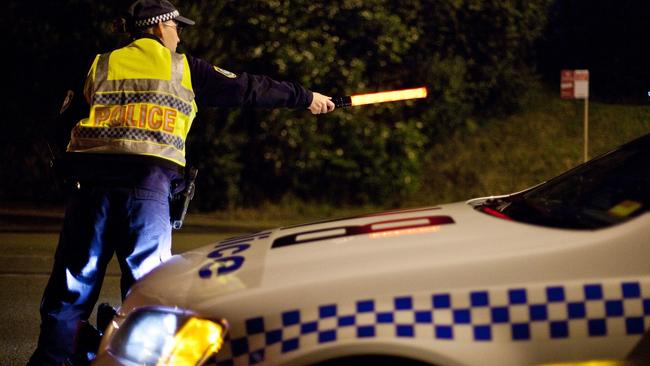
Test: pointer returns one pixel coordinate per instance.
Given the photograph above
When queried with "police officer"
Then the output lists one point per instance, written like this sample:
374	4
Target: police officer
124	157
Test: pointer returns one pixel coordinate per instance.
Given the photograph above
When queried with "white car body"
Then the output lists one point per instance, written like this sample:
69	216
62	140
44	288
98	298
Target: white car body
446	285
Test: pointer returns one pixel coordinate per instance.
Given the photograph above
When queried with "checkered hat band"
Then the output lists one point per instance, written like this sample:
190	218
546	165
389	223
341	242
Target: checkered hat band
153	98
125	133
539	313
155	20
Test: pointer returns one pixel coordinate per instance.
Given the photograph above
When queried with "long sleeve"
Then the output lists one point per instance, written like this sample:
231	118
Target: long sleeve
219	88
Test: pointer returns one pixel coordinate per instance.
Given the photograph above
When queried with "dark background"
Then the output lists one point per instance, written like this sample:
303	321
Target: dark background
478	59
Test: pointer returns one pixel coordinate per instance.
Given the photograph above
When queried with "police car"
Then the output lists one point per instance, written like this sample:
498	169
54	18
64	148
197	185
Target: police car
559	272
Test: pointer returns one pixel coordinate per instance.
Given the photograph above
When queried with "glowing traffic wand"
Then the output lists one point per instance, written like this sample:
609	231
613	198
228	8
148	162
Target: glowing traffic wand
381	97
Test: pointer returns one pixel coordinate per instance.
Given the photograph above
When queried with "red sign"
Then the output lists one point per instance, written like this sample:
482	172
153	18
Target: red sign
574	84
566	84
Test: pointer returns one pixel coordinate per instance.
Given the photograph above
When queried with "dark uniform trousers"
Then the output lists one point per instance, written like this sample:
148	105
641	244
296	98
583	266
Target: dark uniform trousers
129	220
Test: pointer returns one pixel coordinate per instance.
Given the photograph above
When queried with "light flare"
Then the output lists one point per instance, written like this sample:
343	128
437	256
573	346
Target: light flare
409	231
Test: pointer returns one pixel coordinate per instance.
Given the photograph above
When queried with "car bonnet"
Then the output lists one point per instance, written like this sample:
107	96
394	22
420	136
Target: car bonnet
333	251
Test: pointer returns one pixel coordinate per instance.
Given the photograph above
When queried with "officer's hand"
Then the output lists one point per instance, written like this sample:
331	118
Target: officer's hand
321	104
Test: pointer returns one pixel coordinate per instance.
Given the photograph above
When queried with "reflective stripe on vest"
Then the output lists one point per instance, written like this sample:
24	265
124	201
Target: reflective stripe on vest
131	114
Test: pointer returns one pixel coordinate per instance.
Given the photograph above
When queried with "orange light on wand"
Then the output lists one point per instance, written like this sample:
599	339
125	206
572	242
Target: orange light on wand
381	97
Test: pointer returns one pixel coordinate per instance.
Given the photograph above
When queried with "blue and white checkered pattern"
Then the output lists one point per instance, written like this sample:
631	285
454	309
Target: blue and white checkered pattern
123	98
129	134
518	314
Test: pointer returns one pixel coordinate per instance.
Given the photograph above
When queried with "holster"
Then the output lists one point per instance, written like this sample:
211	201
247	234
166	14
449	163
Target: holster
181	200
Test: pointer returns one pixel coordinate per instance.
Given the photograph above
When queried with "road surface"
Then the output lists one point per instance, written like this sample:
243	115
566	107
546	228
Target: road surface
26	256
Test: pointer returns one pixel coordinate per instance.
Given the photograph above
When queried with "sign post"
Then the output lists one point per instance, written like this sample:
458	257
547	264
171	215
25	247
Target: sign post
574	84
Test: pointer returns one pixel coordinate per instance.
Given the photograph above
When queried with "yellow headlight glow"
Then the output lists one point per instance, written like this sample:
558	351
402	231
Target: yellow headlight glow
588	363
193	343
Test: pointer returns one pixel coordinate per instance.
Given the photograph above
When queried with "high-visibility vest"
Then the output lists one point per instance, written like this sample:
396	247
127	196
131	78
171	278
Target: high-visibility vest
141	102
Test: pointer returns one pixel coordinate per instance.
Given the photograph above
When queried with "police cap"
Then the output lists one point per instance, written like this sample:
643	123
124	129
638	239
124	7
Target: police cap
145	13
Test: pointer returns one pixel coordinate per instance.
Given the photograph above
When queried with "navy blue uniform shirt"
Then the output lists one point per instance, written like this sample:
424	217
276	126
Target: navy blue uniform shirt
216	89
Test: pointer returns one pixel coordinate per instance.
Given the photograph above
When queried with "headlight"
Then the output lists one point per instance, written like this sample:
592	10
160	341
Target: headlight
160	336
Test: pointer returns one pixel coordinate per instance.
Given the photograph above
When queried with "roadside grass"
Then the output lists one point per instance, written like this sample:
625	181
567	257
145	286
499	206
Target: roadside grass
287	212
510	154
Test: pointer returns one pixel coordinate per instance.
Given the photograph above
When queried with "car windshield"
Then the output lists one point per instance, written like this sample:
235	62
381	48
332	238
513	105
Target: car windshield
603	192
